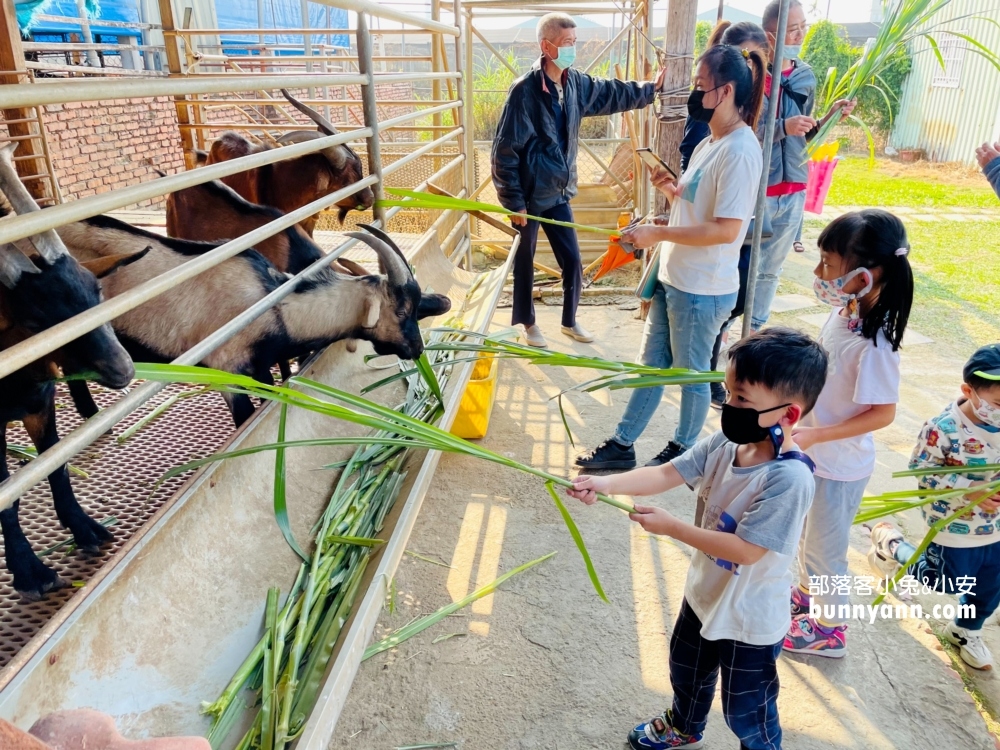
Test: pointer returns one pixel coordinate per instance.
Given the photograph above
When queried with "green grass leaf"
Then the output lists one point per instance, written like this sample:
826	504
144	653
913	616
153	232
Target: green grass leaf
429	376
420	625
280	488
578	540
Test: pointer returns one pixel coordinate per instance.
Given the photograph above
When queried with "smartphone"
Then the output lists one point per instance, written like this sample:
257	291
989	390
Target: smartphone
653	161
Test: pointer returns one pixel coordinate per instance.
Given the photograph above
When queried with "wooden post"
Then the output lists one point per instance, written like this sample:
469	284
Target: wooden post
12	59
174	65
678	43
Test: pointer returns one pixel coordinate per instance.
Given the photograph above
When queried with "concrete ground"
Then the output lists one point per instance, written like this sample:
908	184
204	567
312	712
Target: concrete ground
544	663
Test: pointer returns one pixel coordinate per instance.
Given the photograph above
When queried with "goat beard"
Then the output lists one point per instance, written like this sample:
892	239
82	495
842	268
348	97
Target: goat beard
342	214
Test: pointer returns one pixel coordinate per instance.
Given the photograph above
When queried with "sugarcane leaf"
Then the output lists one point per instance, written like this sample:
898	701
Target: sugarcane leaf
869	136
945	470
420	625
429	376
357	541
280	487
578	540
935	49
562	415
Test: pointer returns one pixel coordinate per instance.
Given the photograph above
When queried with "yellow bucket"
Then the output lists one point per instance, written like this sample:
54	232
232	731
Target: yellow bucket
473	418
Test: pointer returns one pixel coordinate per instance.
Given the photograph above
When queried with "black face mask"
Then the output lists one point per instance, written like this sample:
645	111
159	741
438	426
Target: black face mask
742	426
697	110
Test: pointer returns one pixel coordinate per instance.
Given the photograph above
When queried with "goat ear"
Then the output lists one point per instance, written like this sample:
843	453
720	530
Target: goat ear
373	306
432	305
101	267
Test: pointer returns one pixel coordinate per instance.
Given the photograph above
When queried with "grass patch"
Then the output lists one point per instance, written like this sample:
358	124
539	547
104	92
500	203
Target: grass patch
908	185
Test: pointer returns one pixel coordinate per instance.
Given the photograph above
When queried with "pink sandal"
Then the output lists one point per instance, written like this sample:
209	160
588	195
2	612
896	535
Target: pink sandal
798	247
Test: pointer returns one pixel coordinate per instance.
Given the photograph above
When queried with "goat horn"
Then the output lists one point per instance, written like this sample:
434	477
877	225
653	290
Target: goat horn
14	263
396	269
324	125
384	236
48	244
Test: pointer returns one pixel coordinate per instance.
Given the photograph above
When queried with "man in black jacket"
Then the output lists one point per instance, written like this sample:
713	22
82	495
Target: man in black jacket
534	160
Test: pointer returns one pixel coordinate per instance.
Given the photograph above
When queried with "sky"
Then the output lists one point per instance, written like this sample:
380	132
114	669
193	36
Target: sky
841	11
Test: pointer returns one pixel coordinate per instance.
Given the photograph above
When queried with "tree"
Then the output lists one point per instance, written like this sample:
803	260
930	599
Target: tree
702	31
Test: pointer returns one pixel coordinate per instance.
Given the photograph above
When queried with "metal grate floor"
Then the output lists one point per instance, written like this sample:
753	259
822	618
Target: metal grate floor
120	478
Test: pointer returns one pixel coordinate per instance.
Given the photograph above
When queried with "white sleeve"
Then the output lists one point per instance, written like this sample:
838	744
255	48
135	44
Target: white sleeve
736	185
878	375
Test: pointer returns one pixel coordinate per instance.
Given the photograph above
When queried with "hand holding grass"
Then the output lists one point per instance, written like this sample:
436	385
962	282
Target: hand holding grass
655	520
586	488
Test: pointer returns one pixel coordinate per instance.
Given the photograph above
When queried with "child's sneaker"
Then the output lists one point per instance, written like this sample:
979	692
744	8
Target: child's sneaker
800	601
971	647
806	636
658	734
881	556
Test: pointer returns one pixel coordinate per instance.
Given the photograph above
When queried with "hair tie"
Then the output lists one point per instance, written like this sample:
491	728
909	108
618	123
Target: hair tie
902	251
746	53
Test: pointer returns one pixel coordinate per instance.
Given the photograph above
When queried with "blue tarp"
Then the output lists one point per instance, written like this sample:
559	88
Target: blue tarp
110	10
231	14
242	14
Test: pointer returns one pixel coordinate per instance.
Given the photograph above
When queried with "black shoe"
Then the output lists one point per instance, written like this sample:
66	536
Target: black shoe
718	395
668	454
608	455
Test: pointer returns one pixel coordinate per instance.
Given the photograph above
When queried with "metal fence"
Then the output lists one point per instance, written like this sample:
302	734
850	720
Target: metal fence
445	150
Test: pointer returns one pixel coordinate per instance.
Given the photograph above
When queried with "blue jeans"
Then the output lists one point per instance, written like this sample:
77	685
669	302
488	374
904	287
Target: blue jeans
786	220
940	567
749	684
680	332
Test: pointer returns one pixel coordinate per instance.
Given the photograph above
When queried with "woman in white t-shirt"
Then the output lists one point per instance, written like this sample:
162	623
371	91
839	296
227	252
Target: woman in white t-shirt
699	277
865	275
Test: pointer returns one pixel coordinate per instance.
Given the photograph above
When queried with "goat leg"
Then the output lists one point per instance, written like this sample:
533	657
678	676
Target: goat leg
83	399
32	578
88	534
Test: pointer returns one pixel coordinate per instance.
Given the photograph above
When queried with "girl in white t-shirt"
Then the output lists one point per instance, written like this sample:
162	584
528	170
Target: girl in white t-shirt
864	273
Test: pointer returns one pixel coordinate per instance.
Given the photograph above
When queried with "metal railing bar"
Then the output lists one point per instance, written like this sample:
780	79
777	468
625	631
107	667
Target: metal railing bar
396	121
25	352
103	72
59	47
406	77
38	221
310	102
400	163
391	14
98	23
65	91
82	437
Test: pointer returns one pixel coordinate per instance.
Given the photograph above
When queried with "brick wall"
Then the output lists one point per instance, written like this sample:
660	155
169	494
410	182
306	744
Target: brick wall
97	147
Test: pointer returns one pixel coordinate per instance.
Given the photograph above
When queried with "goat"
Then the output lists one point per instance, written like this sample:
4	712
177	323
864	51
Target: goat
213	211
42	285
292	183
329	307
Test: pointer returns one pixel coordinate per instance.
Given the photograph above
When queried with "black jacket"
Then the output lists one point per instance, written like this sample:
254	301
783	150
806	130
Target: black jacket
530	170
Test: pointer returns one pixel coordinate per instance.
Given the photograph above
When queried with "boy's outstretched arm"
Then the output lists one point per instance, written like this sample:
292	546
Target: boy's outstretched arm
718	544
646	481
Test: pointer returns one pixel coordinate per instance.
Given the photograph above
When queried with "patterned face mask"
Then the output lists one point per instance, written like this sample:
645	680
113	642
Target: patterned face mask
832	292
987	412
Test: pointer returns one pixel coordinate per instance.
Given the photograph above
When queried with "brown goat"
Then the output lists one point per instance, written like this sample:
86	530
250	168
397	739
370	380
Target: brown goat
293	183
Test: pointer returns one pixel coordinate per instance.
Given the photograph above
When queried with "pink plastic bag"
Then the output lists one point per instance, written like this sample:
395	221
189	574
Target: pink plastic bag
818	184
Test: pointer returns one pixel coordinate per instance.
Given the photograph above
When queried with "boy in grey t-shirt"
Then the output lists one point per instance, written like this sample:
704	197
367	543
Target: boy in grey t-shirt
754	489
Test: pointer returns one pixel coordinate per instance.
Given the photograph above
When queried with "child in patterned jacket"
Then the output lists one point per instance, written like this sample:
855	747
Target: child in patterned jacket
965	555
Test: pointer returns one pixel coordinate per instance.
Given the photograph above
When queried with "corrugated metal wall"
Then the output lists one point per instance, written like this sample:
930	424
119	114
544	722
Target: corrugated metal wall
948	123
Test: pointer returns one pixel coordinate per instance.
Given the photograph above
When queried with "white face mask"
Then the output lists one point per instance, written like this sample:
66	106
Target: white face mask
986	412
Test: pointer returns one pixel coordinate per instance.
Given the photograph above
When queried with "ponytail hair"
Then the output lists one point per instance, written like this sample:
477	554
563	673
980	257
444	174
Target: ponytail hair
745	70
876	239
715	38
